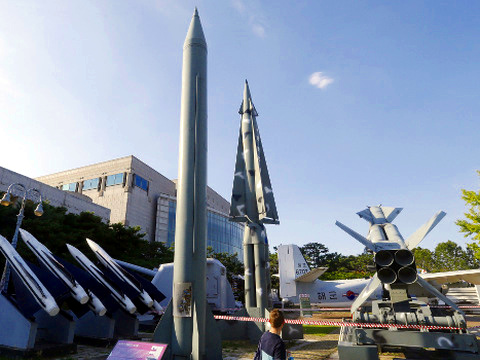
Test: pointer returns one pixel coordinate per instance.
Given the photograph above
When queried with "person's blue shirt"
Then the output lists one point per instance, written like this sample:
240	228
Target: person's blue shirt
270	347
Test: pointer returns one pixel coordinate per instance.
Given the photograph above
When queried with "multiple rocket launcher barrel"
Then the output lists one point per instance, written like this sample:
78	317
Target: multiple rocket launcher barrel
393	265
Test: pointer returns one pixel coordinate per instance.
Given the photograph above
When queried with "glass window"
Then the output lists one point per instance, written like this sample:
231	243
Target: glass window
69	187
114	179
141	182
222	234
91	184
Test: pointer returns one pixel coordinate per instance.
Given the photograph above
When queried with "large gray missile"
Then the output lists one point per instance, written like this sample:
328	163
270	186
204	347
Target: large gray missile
253	203
189	302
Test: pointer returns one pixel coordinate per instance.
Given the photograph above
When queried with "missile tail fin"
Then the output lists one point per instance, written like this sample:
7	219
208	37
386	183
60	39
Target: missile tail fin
367	243
390	213
237	204
423	283
267	209
366	293
423	231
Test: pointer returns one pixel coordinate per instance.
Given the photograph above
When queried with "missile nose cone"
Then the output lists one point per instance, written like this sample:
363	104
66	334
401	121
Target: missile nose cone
195	35
247	104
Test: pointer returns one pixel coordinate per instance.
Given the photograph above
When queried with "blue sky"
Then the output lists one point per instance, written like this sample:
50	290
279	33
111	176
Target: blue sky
360	103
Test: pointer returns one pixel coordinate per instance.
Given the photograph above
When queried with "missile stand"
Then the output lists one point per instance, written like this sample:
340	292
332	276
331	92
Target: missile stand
365	343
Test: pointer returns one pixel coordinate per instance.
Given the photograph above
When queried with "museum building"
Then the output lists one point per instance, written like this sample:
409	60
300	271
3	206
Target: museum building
138	195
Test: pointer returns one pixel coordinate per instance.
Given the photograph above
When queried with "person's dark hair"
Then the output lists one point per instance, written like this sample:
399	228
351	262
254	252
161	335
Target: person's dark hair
276	318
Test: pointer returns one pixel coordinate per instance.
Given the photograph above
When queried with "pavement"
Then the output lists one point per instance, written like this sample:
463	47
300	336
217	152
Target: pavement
312	347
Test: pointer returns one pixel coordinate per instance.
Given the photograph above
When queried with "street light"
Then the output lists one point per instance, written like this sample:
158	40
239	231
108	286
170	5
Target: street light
25	194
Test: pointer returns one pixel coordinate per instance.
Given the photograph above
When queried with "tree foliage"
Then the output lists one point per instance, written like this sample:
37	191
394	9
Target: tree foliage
471	225
56	228
447	256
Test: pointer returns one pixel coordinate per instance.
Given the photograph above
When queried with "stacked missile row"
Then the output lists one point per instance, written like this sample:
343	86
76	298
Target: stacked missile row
99	290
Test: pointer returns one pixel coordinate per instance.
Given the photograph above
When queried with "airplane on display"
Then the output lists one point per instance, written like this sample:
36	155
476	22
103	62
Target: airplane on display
297	278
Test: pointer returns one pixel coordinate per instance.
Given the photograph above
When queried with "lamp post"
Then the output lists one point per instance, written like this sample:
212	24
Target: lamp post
25	194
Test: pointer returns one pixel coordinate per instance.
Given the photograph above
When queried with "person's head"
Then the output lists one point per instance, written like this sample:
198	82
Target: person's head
276	319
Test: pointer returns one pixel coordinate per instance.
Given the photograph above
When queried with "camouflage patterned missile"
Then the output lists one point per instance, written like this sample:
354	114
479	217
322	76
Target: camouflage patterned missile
253	203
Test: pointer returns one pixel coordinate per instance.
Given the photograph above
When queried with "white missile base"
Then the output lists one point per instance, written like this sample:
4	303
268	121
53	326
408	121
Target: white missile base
108	262
37	289
46	257
94	271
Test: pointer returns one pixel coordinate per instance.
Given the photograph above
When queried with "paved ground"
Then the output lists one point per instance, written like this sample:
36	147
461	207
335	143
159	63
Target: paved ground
313	347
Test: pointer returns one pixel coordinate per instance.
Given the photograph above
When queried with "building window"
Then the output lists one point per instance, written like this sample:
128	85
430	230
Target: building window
141	182
222	235
114	179
69	187
91	184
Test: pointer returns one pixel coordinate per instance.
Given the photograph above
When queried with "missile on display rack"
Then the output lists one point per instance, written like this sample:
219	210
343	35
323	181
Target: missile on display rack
99	276
96	305
39	292
46	257
120	273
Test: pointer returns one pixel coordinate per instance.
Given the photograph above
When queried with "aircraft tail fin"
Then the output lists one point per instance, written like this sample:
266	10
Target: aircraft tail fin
293	268
312	275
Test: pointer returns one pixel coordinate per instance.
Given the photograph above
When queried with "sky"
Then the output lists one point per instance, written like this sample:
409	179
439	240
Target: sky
360	103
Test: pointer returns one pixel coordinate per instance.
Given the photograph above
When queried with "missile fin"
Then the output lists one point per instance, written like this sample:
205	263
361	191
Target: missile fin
239	191
267	210
415	239
423	283
366	292
390	213
354	234
366	214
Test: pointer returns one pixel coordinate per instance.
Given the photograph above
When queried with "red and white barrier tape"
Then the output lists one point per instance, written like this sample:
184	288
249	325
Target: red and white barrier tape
339	323
348	309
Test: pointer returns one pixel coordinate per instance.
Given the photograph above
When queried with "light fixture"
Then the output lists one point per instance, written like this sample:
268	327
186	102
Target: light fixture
6	199
39	210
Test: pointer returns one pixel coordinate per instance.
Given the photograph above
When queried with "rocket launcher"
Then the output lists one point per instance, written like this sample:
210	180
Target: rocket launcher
394	260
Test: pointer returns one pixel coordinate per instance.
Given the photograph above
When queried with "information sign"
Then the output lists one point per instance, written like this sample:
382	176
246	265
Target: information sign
137	350
305	304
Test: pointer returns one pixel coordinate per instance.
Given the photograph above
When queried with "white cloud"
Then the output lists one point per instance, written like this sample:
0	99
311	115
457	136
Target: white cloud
258	30
256	20
239	5
320	80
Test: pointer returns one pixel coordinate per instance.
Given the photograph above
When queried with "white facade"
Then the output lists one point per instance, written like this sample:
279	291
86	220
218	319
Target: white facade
74	202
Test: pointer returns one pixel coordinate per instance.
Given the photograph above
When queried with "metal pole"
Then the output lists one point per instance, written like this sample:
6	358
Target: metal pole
6	272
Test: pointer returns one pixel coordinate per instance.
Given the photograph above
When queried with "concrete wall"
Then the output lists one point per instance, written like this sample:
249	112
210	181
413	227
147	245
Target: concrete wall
75	203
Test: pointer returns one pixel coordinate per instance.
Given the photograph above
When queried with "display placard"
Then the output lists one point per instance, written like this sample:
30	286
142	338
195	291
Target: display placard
182	293
305	304
137	350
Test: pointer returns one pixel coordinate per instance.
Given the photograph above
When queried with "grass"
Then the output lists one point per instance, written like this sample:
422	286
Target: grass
318	330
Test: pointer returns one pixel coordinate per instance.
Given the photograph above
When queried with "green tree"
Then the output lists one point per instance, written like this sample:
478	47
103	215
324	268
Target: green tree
317	255
274	270
450	256
471	225
424	259
56	228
